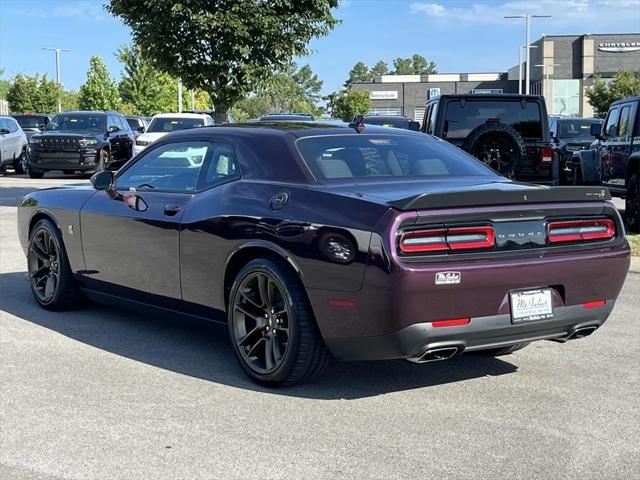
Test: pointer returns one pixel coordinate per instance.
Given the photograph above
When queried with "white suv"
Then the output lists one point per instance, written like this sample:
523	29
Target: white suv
164	123
13	144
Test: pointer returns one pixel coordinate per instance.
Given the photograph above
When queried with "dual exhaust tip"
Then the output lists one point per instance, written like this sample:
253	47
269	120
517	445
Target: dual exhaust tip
582	332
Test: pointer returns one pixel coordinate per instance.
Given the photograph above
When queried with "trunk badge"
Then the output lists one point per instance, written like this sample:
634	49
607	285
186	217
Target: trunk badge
447	278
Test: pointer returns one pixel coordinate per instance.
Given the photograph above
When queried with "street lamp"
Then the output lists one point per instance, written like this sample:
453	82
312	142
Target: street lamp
522	47
58	50
527	20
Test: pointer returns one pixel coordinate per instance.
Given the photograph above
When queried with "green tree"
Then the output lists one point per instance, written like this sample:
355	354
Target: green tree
100	91
403	66
358	74
145	90
308	82
416	65
4	86
69	100
225	47
601	94
22	93
349	103
47	95
380	68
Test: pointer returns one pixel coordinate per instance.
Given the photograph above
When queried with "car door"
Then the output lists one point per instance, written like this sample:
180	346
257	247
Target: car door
130	234
621	145
115	137
4	140
606	145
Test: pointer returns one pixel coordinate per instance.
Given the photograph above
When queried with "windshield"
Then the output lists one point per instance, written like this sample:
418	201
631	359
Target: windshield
389	122
31	121
374	156
575	128
166	124
77	122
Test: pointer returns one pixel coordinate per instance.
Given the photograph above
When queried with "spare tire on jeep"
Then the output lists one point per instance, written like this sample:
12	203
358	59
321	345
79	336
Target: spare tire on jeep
498	146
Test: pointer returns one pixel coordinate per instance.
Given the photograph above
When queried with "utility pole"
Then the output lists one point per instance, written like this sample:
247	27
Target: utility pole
527	20
179	95
522	47
58	50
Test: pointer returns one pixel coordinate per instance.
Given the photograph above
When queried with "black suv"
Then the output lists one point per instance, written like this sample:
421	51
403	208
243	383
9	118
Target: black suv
393	121
32	122
570	134
508	132
83	141
613	160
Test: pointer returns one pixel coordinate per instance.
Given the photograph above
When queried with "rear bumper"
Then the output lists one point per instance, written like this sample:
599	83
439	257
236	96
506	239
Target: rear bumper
481	333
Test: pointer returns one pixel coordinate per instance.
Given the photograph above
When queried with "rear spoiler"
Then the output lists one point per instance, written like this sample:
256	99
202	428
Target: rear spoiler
476	198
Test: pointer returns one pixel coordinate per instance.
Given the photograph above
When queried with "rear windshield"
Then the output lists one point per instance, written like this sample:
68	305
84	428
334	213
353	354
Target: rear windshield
388	122
172	124
575	128
31	121
374	156
462	117
75	122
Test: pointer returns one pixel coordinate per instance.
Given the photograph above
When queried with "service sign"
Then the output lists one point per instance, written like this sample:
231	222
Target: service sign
383	95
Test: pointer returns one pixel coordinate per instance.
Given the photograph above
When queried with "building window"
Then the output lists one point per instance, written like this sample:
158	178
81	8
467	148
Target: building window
385	111
566	97
418	114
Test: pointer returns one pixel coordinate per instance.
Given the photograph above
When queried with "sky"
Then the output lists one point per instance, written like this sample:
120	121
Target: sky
459	35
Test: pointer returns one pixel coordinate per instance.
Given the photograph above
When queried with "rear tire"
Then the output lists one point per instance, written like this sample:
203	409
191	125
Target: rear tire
632	204
577	176
272	328
103	161
497	352
50	276
35	174
19	162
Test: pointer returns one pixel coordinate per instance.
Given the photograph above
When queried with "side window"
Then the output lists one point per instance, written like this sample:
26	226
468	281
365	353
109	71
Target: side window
624	123
553	128
432	118
221	167
4	124
122	123
12	126
174	167
612	121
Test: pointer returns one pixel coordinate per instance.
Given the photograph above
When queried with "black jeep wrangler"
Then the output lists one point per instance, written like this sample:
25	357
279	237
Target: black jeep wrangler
508	132
82	141
613	160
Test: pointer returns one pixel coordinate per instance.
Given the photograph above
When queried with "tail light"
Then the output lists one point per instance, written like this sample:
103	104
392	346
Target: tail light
581	230
447	239
546	155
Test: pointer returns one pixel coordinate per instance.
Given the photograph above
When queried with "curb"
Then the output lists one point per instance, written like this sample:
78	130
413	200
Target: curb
635	265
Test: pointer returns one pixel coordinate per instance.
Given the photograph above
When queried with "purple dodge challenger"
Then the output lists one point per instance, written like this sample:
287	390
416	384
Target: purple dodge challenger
310	240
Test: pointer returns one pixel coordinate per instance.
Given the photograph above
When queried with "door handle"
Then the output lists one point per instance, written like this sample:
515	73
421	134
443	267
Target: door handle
171	210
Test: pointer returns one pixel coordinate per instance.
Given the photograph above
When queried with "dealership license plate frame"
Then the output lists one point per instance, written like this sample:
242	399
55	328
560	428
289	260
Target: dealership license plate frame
530	313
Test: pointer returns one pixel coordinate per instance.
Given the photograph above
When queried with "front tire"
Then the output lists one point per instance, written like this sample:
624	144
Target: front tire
35	173
272	327
103	161
632	204
50	276
18	164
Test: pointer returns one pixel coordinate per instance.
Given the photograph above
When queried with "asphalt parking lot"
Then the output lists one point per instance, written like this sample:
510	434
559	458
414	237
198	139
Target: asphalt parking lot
101	393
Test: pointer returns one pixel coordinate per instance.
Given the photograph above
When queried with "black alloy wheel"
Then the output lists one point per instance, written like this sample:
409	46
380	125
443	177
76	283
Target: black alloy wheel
632	204
272	328
18	164
496	151
261	322
50	275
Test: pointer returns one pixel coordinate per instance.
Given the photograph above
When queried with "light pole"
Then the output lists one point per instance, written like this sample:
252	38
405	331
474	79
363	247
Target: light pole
527	20
522	47
58	50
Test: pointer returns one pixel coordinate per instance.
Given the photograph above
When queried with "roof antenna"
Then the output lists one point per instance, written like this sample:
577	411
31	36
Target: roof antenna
357	123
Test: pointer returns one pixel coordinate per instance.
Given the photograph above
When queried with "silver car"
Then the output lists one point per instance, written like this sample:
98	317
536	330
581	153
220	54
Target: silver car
13	145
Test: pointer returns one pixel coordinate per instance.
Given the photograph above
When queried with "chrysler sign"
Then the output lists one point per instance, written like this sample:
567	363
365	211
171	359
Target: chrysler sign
618	47
383	95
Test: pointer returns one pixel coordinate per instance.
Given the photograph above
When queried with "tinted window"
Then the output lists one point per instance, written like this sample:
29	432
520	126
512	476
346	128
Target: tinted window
432	118
612	120
172	124
134	123
388	122
624	123
174	166
349	156
4	125
462	117
31	121
77	122
574	128
12	125
221	167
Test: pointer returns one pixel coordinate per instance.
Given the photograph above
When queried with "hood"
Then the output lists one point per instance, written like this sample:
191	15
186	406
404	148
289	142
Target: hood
465	192
151	136
68	134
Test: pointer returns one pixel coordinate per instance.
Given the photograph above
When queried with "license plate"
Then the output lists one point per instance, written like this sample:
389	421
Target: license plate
531	305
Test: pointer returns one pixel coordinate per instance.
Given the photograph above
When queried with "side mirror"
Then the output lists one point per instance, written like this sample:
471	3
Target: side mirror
41	126
140	129
596	129
4	131
113	129
102	180
415	126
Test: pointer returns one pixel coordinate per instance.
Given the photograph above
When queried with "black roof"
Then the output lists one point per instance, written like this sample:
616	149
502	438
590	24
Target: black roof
625	100
84	112
493	96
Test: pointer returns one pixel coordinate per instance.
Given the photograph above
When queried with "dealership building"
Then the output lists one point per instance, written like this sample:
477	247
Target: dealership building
562	67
